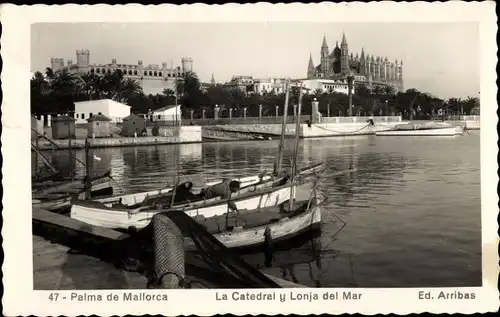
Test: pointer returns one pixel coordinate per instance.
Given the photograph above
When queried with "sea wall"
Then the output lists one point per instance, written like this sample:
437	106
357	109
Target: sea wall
328	126
266	129
343	129
172	135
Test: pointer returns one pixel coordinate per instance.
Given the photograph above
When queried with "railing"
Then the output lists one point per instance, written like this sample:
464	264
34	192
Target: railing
270	120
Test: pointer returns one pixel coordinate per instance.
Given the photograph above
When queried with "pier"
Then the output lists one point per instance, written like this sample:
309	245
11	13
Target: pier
99	250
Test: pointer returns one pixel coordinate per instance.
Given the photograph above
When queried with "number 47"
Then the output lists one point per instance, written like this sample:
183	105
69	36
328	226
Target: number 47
53	297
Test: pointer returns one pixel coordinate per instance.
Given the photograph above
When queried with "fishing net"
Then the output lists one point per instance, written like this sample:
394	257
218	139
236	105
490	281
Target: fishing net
220	259
168	246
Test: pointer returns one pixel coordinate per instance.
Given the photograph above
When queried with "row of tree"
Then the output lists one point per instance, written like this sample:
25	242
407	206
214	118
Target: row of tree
56	92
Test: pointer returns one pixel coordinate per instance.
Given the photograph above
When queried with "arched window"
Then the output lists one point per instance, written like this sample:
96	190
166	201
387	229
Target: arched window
109	71
92	70
159	74
169	75
130	72
135	72
150	73
98	70
155	74
145	73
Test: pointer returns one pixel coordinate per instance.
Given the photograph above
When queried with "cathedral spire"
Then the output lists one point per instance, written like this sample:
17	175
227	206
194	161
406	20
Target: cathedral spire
363	53
212	80
344	41
310	67
311	64
324	41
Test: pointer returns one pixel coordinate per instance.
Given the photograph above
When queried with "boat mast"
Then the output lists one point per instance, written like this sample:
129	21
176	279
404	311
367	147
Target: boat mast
88	184
176	176
279	159
44	159
296	148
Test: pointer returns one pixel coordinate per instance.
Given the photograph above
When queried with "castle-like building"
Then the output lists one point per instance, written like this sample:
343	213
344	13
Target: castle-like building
370	71
153	78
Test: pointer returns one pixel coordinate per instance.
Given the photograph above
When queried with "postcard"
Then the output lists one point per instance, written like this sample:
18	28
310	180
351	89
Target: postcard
250	159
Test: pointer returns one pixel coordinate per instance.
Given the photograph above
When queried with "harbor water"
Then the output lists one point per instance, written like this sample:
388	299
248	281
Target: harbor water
411	206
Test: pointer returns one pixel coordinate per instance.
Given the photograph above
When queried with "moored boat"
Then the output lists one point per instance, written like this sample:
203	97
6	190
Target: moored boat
248	229
245	182
252	228
59	197
257	196
425	129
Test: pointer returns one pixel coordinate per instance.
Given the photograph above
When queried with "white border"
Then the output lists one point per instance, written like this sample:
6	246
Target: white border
19	299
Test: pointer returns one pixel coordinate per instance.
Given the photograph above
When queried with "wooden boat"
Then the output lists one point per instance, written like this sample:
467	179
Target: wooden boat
251	228
252	197
59	197
426	129
247	228
245	182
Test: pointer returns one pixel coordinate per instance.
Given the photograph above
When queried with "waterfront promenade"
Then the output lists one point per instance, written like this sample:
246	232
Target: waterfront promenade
240	129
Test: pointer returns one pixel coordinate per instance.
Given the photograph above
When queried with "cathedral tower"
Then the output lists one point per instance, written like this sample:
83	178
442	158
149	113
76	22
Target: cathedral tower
344	58
324	57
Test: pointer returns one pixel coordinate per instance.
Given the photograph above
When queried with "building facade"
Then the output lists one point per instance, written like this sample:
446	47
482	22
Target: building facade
327	85
274	85
168	113
114	110
368	70
153	78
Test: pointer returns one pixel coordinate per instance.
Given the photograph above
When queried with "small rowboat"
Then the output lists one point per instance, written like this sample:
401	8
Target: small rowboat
426	129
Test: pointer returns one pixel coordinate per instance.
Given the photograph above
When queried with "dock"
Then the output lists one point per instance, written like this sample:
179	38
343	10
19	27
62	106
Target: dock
69	254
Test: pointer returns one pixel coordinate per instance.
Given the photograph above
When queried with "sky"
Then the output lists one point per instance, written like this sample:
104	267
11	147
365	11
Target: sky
439	58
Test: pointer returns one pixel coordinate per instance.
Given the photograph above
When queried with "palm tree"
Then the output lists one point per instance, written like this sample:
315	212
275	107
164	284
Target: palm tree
188	84
87	84
317	92
129	89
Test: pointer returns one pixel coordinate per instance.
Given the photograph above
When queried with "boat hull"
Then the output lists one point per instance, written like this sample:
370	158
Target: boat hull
451	131
124	219
286	228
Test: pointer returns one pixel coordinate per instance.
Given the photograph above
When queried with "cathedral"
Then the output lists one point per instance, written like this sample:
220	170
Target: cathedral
370	71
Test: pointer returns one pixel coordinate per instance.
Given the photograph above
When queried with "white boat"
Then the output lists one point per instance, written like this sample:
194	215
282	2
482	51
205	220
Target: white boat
245	182
425	129
137	213
245	230
282	227
120	217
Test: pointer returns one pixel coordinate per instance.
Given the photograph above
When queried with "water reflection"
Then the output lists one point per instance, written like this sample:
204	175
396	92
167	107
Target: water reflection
402	195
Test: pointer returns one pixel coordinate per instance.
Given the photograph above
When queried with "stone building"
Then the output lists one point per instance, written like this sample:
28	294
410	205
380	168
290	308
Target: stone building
153	78
99	126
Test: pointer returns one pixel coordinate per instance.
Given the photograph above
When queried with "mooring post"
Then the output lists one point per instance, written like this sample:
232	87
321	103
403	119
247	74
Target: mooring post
88	184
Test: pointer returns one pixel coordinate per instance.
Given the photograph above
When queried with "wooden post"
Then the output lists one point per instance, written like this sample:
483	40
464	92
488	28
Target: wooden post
88	183
70	152
283	131
36	155
296	150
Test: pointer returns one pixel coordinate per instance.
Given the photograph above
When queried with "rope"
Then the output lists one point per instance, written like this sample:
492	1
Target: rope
343	133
